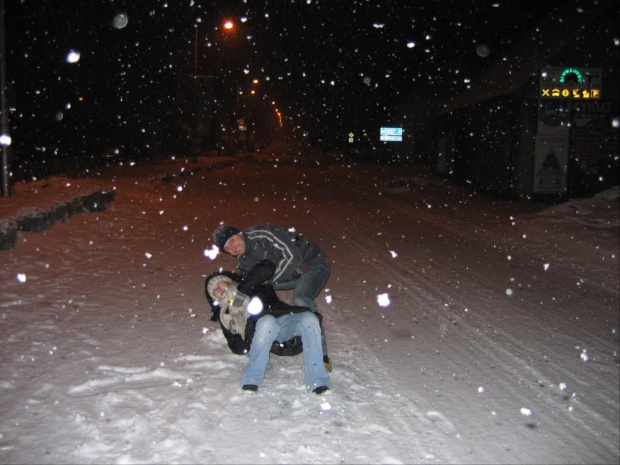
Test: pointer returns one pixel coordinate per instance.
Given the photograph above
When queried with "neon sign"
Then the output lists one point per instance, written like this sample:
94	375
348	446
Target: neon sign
571	83
568	72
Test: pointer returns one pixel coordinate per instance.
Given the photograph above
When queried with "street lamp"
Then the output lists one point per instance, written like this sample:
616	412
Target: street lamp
204	85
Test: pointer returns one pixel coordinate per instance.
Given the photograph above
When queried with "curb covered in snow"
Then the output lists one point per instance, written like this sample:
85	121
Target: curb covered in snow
39	220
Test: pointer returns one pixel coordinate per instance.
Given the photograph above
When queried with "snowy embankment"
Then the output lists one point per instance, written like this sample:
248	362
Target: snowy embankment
35	206
462	330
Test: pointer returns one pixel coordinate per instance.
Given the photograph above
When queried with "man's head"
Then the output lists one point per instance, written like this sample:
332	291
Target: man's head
229	239
217	285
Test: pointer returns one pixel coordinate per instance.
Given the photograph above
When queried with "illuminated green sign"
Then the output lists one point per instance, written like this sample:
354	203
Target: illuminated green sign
569	71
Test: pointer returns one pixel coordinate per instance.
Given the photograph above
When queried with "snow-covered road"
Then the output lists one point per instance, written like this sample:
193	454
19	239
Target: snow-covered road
498	342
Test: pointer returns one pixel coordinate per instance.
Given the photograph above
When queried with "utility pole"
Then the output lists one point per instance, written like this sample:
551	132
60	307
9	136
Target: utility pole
203	100
5	138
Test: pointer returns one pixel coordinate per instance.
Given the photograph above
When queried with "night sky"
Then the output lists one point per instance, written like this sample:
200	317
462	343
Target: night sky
332	66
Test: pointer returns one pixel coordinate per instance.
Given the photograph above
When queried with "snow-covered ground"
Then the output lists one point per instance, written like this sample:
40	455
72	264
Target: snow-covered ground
462	329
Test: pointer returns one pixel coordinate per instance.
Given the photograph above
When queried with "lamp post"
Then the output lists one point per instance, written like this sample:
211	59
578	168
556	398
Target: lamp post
5	139
233	54
203	102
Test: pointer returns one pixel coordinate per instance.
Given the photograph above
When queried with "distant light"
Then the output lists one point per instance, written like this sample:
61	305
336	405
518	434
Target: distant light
229	25
410	44
73	56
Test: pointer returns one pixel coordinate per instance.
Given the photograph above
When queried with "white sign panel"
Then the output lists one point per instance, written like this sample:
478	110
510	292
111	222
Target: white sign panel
550	164
388	134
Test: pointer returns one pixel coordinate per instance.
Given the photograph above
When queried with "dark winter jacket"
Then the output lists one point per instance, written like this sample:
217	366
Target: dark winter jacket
291	253
272	305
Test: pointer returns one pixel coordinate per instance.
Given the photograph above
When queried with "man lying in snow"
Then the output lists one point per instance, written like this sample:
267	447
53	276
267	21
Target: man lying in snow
255	320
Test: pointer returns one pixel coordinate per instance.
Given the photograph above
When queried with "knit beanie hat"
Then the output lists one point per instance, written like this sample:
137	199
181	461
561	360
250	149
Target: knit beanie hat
223	233
214	281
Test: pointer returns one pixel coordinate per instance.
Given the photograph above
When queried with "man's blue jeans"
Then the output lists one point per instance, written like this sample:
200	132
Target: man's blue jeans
307	287
269	329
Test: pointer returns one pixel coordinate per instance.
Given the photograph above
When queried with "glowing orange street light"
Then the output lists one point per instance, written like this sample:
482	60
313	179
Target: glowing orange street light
229	25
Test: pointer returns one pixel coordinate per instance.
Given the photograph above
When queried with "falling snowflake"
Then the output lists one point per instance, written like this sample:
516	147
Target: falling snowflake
383	300
212	252
255	306
120	21
72	56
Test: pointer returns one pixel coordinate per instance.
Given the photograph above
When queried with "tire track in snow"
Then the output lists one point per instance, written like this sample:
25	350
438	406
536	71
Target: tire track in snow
479	335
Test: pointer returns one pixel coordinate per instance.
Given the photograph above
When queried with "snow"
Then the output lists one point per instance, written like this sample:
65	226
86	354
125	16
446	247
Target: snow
109	356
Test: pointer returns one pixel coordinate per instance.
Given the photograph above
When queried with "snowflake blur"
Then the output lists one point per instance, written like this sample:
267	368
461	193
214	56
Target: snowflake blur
72	56
212	253
383	300
255	306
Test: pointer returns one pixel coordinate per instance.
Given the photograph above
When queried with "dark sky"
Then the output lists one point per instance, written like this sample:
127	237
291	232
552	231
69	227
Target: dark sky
330	65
